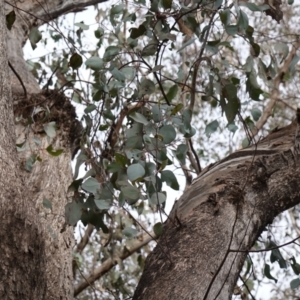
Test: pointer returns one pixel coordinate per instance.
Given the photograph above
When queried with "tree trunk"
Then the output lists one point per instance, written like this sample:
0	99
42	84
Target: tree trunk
205	241
36	245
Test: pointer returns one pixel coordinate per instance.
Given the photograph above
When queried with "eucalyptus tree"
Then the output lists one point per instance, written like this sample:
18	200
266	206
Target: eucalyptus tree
165	78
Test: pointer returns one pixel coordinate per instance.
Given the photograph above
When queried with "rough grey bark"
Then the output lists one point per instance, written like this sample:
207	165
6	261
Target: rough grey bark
36	245
205	241
21	267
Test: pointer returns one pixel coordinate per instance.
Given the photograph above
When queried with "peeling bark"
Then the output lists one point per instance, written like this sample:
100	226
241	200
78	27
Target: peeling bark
223	212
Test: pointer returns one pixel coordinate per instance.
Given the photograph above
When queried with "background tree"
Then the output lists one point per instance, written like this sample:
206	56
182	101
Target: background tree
155	68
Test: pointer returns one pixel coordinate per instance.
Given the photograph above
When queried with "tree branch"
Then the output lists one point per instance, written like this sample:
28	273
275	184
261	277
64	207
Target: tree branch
108	265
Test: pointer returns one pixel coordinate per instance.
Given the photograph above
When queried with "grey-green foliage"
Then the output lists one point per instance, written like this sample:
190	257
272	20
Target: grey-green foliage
147	99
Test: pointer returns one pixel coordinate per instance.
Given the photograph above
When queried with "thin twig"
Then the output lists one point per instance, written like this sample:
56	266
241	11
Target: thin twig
19	78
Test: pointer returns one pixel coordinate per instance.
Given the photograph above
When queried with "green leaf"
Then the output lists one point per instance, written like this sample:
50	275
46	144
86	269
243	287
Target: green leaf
296	268
231	29
290	2
225	16
146	87
50	129
211	127
34	36
158	228
90	108
150	49
243	21
95	63
135	171
276	255
73	212
139	118
254	7
189	42
170	179
256	113
245	143
295	283
110	53
118	75
156	113
130	232
168	133
232	127
176	109
47	203
172	92
75	61
91	185
75	185
103	204
137	32
117	9
268	274
121	159
128	72
282	49
256	49
82	25
114	167
180	153
10	19
157	198
166	4
81	158
157	68
131	193
53	152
